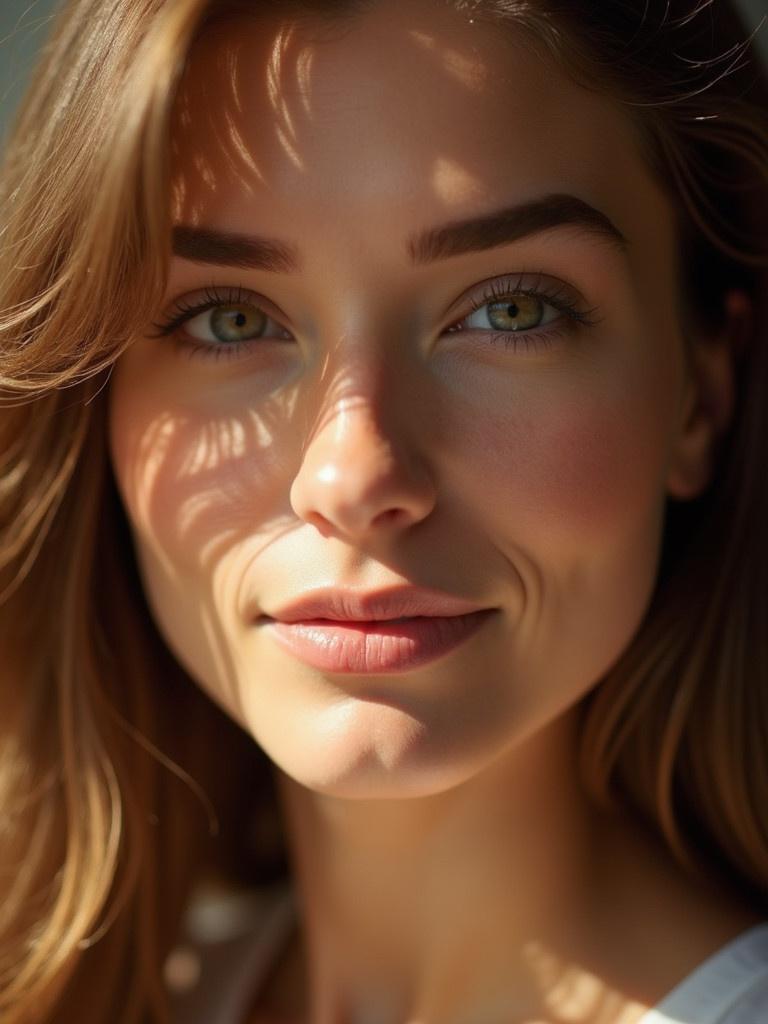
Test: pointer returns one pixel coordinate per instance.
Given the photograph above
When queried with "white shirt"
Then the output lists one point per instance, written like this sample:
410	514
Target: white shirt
231	943
730	987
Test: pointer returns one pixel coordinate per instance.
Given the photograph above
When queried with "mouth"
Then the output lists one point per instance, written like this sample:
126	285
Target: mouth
375	646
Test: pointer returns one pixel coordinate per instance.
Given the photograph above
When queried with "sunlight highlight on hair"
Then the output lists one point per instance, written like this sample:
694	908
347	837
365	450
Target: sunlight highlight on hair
102	845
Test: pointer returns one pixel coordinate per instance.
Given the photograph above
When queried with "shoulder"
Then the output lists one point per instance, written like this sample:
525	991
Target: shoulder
730	987
746	971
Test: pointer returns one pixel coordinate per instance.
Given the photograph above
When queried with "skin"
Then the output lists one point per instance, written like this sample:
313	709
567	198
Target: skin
450	865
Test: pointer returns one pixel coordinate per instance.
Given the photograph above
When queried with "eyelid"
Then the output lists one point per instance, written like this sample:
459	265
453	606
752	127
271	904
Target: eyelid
563	297
536	281
193	303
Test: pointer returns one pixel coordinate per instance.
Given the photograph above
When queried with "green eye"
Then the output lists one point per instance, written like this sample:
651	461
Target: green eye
222	324
512	312
229	323
516	313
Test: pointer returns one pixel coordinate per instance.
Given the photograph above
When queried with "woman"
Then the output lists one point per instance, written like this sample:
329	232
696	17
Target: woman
384	383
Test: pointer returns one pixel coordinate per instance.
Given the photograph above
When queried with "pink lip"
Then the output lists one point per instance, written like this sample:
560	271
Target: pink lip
354	605
375	646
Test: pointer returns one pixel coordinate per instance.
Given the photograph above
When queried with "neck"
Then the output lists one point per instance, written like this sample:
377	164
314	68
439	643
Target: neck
463	905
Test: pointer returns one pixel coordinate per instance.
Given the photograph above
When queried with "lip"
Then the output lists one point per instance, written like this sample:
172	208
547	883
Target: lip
345	605
363	647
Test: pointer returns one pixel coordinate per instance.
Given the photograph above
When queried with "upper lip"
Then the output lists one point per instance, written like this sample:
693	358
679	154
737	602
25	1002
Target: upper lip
359	606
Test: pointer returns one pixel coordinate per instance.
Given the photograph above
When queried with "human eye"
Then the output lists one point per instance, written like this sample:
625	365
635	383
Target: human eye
220	323
526	313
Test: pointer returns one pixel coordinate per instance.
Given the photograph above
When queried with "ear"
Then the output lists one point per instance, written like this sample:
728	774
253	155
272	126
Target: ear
707	406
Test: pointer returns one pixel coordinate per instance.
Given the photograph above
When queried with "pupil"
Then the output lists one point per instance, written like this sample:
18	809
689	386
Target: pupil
231	323
509	315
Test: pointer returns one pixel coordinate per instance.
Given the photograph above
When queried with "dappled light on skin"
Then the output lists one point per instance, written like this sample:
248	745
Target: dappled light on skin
193	490
232	506
205	172
176	454
204	180
345	393
229	57
454	184
149	462
240	161
304	77
224	540
196	511
179	185
179	199
227	121
290	94
289	148
224	439
202	479
463	67
243	152
531	486
212	474
284	123
573	993
193	173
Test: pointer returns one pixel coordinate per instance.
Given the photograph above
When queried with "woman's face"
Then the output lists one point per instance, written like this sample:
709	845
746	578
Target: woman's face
495	412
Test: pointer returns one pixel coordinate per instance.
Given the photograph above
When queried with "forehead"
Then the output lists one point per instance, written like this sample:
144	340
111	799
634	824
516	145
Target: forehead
410	109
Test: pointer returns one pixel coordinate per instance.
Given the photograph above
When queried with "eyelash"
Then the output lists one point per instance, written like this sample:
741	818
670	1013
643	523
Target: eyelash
184	312
529	338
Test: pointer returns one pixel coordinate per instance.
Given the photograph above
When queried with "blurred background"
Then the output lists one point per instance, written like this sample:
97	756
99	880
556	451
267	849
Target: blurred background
23	25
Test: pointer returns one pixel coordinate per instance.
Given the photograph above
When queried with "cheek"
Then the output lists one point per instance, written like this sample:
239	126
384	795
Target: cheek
575	467
591	467
570	489
192	485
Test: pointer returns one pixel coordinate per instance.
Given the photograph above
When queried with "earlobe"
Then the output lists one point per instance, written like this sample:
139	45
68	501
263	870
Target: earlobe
707	407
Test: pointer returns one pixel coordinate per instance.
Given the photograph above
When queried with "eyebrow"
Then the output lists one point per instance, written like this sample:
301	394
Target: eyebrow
504	226
206	245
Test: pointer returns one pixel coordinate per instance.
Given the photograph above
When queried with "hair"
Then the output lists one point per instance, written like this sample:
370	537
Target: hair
107	813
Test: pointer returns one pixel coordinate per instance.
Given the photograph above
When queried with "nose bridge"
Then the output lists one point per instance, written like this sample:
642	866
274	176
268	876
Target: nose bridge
357	428
355	394
361	466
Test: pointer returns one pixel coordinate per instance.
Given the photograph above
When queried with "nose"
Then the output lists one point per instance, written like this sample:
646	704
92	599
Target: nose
356	479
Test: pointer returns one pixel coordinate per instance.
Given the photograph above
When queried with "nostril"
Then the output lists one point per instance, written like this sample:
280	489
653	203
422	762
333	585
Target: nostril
320	523
390	515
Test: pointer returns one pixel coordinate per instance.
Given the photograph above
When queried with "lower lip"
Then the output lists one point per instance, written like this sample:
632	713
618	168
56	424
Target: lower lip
363	647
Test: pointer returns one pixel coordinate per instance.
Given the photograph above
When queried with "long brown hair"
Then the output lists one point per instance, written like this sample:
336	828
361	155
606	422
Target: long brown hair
107	815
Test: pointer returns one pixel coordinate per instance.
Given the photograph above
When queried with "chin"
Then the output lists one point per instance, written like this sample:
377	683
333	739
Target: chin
368	751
